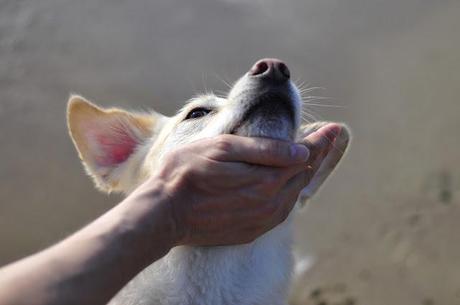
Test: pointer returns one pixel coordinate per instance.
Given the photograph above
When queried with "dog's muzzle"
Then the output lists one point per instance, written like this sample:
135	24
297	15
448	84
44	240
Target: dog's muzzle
269	105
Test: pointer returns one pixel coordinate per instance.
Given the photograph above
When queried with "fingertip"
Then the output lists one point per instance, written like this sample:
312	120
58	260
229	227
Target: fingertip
323	137
331	131
299	152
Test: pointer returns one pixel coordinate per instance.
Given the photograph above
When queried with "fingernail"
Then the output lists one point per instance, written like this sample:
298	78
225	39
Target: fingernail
299	152
333	132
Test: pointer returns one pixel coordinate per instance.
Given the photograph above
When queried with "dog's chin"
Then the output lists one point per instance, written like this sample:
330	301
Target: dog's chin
273	127
274	120
271	115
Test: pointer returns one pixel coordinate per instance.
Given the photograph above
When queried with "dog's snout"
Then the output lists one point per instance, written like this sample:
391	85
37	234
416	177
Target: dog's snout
270	69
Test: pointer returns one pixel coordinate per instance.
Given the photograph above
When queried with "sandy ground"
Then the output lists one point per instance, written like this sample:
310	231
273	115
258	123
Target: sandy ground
385	228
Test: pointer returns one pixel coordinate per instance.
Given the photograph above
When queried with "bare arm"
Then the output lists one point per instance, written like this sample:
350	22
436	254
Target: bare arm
199	192
92	264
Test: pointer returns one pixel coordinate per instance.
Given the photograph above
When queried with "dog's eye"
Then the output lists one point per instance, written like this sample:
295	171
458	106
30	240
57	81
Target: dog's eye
197	113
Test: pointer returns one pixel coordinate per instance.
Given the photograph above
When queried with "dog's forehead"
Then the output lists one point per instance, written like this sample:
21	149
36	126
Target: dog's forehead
203	100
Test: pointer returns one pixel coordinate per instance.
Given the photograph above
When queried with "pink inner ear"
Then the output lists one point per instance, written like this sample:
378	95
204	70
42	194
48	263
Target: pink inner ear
114	143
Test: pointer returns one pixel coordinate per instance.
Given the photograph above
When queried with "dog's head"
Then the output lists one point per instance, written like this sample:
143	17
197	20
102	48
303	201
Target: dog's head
121	149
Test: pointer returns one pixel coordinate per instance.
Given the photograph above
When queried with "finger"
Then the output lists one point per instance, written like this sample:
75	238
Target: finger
245	224
242	175
266	185
288	197
272	179
320	142
259	151
226	174
322	137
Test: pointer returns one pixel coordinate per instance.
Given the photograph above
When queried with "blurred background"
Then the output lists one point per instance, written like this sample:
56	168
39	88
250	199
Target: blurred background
385	229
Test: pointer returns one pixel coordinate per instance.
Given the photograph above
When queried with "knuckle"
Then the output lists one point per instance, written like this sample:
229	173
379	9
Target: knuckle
223	145
187	174
173	164
174	155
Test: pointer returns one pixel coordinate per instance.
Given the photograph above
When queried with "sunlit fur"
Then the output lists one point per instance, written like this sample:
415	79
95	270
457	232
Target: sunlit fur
252	274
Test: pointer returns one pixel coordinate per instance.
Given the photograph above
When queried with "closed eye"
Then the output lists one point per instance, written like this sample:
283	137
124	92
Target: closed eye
197	113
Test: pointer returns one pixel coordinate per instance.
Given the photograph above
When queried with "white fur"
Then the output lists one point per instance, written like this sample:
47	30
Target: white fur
256	273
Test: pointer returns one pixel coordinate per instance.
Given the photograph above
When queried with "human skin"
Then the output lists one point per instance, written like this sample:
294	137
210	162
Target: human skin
218	191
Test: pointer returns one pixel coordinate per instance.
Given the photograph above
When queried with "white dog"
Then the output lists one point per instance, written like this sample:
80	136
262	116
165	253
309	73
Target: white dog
121	149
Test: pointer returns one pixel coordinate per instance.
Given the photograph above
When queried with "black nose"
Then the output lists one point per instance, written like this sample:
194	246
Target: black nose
270	69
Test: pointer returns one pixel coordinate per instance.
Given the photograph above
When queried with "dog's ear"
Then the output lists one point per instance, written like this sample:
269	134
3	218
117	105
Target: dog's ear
106	139
329	163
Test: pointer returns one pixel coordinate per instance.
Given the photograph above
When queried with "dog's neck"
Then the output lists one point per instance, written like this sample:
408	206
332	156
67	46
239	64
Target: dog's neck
252	274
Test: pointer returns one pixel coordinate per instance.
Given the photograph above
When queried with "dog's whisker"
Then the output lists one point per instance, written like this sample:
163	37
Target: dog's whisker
308	117
313	114
220	94
309	89
203	82
225	82
317	97
300	84
324	105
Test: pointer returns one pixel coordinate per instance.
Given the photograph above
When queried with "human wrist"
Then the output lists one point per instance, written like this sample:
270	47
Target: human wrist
147	216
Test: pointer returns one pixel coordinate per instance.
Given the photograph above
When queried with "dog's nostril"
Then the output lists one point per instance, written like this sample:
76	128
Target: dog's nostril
259	68
271	69
284	70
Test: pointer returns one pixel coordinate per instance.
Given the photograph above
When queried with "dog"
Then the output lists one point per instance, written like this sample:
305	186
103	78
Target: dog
121	149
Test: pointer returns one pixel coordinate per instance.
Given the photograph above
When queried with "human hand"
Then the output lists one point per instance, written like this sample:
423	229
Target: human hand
231	189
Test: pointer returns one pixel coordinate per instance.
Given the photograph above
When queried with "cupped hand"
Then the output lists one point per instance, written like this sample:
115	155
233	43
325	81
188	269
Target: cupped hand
231	189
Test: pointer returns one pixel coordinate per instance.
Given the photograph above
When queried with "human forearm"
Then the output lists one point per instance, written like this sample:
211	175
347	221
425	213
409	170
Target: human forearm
90	266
